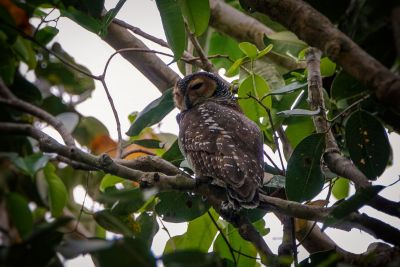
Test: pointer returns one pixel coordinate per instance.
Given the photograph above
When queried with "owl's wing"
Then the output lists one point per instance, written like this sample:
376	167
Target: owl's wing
222	143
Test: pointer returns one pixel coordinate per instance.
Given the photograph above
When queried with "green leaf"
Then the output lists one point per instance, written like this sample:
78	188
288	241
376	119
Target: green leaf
197	15
298	129
199	235
222	44
173	25
148	227
109	181
88	22
256	86
120	224
57	191
345	86
88	129
191	258
57	73
367	143
174	154
180	206
285	43
72	248
20	214
298	112
109	16
277	181
31	164
232	71
355	202
341	188
123	201
23	49
249	49
238	244
125	252
149	143
46	34
265	51
304	178
152	113
327	67
292	87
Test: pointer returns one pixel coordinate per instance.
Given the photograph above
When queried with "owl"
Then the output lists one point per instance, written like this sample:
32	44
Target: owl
219	142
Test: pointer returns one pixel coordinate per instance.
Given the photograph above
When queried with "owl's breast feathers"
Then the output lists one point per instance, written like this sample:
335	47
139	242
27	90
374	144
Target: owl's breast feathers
220	142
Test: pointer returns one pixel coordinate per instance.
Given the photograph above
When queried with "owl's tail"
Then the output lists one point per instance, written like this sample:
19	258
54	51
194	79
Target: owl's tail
246	196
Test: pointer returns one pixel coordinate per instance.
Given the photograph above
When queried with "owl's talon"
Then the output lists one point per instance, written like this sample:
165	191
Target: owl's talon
228	211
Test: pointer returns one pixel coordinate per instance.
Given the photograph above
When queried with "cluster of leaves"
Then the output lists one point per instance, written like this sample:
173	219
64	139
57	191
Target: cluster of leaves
35	186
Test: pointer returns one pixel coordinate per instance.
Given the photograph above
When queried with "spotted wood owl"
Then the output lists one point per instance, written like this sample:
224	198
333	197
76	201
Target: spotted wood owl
217	139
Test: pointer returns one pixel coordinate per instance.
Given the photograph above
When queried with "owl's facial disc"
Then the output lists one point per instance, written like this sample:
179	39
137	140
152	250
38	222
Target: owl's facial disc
198	90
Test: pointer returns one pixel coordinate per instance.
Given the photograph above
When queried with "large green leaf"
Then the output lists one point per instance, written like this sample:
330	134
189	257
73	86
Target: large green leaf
256	86
122	201
46	34
199	235
152	113
355	202
225	45
304	178
249	49
20	214
173	25
298	129
148	227
197	14
180	206
341	188
56	191
120	224
88	129
285	43
345	86
86	21
31	164
191	258
174	154
237	243
367	143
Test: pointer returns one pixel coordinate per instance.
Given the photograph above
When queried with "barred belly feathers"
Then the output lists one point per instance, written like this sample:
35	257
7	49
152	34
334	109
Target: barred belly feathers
217	139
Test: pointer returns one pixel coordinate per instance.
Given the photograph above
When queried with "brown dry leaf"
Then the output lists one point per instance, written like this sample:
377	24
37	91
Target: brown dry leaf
302	225
19	15
103	144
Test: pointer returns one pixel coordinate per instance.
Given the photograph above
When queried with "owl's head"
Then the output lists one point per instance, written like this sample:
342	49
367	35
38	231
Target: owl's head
199	87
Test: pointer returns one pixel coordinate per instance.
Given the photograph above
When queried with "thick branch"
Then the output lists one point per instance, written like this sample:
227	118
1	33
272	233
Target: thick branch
151	66
335	161
242	27
315	29
11	100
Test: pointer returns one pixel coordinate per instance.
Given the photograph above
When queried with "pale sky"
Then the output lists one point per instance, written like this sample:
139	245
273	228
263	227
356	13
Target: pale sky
132	92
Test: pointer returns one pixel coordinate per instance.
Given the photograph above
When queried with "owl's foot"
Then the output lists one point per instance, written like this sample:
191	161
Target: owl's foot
228	211
202	180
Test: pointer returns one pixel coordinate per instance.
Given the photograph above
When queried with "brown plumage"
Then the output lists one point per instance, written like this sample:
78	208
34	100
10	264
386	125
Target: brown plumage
217	139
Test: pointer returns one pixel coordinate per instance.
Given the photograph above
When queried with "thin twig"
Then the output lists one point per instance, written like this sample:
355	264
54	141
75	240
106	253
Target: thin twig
270	160
207	65
273	129
164	227
136	150
223	237
11	100
83	202
349	107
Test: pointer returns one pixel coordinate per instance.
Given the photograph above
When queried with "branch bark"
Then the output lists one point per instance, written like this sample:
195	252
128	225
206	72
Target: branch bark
151	66
242	27
315	29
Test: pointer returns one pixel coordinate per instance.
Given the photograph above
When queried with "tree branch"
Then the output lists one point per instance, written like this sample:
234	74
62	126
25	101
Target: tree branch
315	29
151	66
335	161
242	27
11	100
